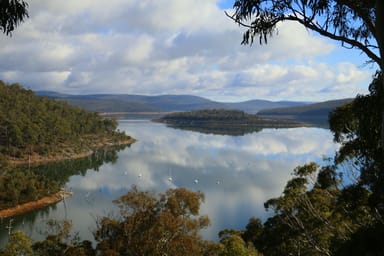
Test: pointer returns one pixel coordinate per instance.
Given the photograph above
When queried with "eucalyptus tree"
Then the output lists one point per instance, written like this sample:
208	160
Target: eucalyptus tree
12	13
355	24
18	245
149	224
356	127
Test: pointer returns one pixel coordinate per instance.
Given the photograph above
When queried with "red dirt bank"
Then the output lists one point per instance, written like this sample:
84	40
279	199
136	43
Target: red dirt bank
30	206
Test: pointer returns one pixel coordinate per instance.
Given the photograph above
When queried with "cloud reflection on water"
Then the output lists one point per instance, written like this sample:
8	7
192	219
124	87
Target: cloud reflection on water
237	174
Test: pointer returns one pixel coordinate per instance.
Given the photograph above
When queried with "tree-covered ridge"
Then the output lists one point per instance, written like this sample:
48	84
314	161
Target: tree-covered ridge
31	125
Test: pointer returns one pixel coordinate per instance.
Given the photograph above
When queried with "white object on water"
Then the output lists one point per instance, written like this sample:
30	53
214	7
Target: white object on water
170	175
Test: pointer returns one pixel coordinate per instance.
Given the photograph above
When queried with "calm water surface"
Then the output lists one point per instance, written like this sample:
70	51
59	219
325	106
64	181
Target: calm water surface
236	173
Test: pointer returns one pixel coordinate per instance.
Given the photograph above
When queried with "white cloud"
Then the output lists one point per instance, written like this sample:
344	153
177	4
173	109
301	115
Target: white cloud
169	46
348	74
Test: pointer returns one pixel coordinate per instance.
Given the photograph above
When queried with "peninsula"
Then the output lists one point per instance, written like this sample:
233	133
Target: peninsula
35	130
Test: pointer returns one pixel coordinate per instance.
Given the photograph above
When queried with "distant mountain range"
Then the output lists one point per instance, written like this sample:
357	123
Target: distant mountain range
315	113
161	103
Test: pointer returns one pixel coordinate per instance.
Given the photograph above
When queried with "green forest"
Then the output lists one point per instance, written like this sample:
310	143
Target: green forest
33	127
215	115
22	186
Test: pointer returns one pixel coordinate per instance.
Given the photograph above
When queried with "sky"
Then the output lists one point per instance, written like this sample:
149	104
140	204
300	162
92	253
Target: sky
156	47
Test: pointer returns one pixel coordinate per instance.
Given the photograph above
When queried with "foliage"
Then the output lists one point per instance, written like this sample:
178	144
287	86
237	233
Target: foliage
356	24
356	127
32	125
330	215
313	216
12	13
17	187
366	241
211	114
148	224
164	224
18	245
234	245
336	209
59	241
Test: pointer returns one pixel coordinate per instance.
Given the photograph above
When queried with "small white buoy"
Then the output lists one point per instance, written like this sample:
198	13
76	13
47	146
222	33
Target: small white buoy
218	182
170	179
139	175
196	181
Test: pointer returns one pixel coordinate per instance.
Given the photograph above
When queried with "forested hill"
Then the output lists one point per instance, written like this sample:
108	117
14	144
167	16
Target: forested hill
38	127
316	113
160	103
223	121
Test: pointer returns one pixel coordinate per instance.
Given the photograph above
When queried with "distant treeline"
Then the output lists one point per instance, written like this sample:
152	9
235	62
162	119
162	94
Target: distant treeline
317	113
222	121
31	124
213	115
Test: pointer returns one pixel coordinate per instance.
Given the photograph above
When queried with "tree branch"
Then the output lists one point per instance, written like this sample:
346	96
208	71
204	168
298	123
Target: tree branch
352	42
359	10
308	23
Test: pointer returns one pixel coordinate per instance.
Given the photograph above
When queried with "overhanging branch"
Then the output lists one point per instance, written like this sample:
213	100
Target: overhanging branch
308	24
352	42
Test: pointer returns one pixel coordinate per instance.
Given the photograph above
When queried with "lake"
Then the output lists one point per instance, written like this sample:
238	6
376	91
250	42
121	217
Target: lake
236	173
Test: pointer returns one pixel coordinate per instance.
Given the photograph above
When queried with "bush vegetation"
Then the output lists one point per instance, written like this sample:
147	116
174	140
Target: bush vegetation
32	125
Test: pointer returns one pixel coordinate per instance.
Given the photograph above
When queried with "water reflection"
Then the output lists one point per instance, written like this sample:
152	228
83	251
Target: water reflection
33	223
234	131
236	173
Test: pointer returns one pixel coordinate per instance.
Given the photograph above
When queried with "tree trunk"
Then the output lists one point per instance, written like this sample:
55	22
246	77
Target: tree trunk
380	42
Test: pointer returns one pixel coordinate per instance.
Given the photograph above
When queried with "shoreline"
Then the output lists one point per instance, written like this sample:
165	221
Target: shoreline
39	203
39	159
61	195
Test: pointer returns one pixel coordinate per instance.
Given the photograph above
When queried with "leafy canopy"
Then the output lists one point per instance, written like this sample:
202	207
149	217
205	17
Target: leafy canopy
163	224
354	23
12	13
